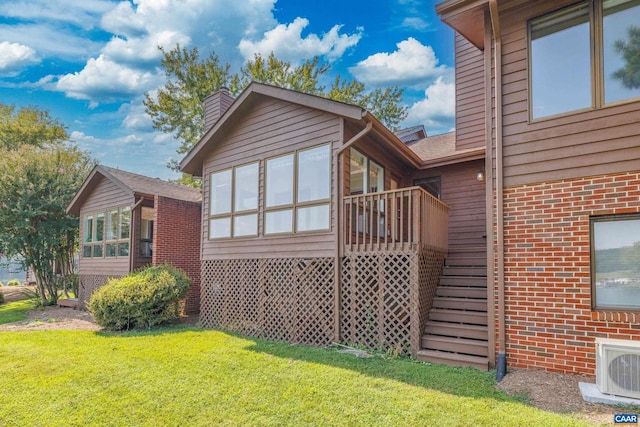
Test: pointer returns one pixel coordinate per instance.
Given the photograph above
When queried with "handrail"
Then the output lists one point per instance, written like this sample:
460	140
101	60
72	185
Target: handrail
393	220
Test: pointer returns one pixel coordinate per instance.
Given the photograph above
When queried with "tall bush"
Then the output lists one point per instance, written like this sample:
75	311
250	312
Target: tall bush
141	299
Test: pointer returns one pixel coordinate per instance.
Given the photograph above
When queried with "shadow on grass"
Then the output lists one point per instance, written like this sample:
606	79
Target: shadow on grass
464	382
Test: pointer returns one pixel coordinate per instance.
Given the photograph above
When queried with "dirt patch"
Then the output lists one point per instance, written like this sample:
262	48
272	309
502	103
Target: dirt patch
51	318
557	393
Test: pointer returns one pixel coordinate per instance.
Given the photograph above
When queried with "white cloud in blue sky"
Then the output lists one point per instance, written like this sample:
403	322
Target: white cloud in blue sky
90	62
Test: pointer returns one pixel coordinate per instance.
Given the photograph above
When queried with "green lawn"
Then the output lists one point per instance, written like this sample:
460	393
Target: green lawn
15	311
188	376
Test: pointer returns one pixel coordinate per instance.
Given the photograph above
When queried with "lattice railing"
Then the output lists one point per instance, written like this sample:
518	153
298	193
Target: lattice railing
385	298
283	299
396	220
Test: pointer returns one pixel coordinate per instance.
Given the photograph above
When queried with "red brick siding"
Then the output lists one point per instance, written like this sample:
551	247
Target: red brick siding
549	321
176	240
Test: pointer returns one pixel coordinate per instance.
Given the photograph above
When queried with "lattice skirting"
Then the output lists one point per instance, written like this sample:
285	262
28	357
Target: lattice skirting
385	298
88	283
283	299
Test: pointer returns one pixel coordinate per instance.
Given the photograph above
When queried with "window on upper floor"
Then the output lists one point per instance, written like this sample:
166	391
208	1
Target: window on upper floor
584	56
615	262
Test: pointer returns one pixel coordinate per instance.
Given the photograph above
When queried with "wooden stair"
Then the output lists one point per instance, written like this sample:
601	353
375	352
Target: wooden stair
456	332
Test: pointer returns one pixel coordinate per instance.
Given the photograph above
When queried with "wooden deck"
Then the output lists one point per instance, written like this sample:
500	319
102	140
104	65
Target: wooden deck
395	220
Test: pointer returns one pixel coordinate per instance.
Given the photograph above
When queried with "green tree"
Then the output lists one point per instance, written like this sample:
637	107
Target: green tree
29	126
178	107
37	185
630	51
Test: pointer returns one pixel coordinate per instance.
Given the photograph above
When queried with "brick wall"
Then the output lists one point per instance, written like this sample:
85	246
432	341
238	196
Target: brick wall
176	240
549	321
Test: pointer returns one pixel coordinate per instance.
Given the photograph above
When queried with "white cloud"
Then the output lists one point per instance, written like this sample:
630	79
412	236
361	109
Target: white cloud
415	23
287	42
50	41
104	80
437	109
412	63
125	152
127	65
14	56
84	14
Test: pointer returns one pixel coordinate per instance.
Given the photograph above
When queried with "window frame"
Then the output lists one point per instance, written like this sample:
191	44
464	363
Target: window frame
296	205
596	62
592	260
105	241
233	213
366	185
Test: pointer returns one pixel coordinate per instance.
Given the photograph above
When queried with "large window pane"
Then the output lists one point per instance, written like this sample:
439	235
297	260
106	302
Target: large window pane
99	227
219	228
376	177
88	228
278	222
621	49
245	225
561	62
357	172
616	251
110	249
112	224
246	188
279	181
86	251
125	223
220	193
97	251
313	218
314	174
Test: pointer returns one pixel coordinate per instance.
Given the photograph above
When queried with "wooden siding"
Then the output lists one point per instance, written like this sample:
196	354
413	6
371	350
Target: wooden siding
105	195
466	198
595	142
270	128
470	95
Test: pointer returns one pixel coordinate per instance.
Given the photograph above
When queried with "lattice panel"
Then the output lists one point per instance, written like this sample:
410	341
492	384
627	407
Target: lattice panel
430	263
375	300
87	285
279	299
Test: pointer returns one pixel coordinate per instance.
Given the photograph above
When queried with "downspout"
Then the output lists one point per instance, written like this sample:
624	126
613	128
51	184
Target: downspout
501	365
337	186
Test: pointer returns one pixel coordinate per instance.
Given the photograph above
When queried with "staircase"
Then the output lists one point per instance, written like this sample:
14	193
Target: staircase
456	333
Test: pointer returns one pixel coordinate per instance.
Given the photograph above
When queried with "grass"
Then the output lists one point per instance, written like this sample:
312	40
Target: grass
188	376
15	311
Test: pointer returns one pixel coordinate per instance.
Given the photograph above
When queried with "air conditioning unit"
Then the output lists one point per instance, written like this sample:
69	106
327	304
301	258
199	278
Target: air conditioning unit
618	367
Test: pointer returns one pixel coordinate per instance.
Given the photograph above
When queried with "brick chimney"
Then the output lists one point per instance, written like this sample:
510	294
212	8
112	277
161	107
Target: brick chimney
215	106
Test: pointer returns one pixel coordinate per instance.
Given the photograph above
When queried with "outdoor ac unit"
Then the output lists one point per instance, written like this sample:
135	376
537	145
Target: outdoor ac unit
618	367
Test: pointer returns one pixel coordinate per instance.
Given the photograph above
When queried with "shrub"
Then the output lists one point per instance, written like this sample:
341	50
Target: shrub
13	282
1	284
141	299
1	298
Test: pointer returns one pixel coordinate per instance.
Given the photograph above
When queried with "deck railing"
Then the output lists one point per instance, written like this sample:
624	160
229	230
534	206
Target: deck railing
394	220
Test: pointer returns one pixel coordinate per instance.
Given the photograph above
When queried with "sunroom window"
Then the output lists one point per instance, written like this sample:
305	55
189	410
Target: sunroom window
233	202
305	205
583	57
615	262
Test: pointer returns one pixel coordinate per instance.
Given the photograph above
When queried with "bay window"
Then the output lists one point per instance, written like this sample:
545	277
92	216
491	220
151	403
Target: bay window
581	57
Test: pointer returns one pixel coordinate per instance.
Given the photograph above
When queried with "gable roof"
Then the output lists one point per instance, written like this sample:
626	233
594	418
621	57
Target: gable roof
192	163
133	184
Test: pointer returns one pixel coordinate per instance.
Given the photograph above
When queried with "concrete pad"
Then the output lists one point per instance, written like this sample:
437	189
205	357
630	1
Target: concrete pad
591	393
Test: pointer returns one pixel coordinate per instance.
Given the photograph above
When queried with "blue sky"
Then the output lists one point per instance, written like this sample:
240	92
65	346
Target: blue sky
90	62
